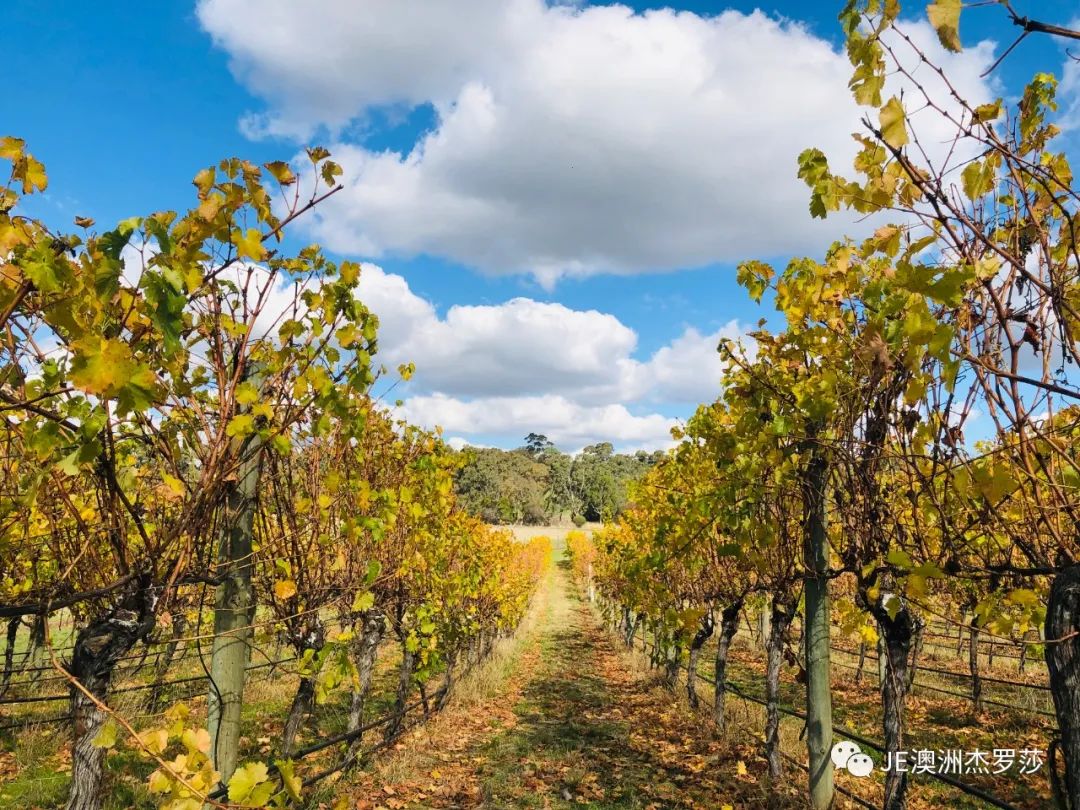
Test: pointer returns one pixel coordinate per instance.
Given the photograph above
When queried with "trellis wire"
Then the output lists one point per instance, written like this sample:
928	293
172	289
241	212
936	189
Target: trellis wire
971	790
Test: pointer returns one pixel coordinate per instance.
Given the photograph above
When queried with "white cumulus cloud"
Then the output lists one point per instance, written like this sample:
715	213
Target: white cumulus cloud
567	140
568	424
531	366
524	347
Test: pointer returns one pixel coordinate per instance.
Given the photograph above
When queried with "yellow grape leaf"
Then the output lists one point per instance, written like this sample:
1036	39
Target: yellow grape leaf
330	172
916	585
989	112
281	172
291	782
174	484
868	634
209	208
106	737
888	239
944	15
350	272
978	178
899	558
33	176
339	561
347	335
740	768
246	780
284	588
11	148
196	739
159	782
156	740
1023	597
177	713
246	393
204	180
241	425
101	365
193	277
893	129
105	367
249	245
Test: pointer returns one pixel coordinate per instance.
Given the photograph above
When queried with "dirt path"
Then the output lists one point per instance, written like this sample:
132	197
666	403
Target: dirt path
574	725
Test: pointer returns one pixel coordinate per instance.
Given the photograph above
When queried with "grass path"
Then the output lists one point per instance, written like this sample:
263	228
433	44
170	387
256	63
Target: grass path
573	724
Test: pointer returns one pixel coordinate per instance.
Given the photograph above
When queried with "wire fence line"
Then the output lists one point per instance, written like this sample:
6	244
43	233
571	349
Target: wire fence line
964	787
790	711
938	670
356	759
138	688
433	694
967	696
953	673
990	647
120	673
32	721
340	739
916	668
424	706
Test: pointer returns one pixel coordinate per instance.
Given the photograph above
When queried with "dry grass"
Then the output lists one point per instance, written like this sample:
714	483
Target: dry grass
491	675
557	533
488	681
29	769
555	720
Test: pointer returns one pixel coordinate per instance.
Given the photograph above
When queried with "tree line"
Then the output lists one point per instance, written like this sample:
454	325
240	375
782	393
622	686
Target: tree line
537	484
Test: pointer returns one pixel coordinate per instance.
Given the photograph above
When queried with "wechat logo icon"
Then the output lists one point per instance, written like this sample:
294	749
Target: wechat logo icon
847	755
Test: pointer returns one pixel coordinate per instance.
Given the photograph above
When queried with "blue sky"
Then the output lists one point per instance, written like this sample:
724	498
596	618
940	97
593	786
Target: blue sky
553	199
